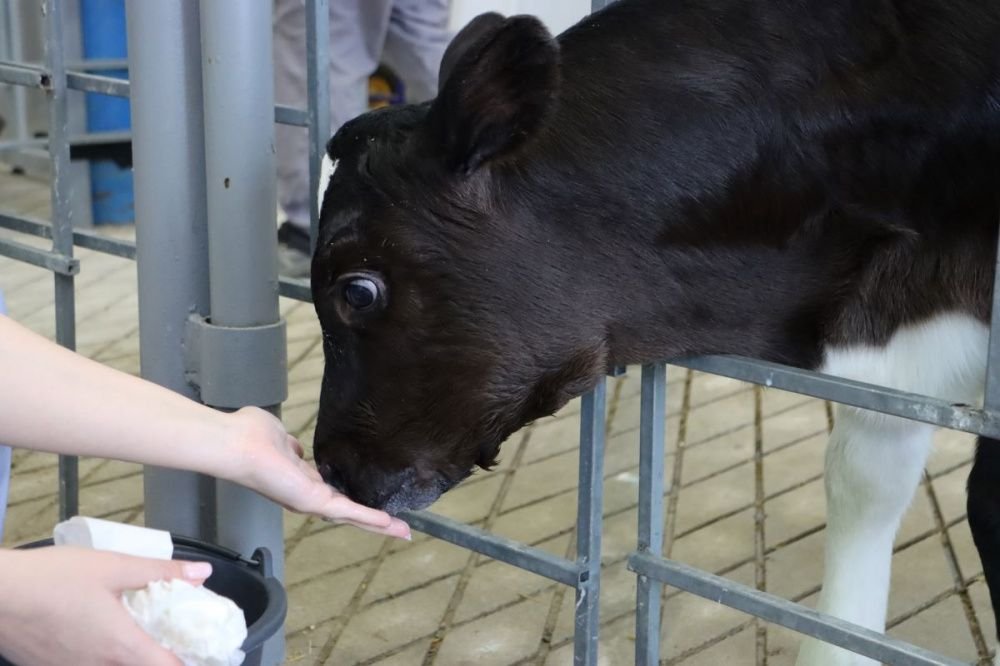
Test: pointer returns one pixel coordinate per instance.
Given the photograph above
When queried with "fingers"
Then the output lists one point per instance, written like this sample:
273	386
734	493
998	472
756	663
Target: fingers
397	528
131	573
339	507
152	653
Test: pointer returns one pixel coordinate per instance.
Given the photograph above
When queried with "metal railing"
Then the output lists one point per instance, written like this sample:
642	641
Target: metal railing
583	573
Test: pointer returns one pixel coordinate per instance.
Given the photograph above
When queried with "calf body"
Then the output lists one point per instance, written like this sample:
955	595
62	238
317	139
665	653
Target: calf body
811	183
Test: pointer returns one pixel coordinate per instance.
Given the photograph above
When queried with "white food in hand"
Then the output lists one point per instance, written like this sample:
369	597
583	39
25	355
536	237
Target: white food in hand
199	626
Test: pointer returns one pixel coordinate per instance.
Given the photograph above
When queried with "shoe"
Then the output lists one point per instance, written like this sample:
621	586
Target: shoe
294	259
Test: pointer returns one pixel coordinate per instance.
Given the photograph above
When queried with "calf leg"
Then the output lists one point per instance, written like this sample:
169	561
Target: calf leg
873	465
984	516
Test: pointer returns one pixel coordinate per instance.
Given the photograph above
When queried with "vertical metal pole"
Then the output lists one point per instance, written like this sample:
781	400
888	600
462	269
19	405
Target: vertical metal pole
318	92
590	496
242	239
992	396
62	221
652	414
20	101
168	153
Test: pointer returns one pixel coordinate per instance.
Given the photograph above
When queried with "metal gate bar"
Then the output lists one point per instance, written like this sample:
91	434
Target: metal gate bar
62	226
652	445
786	613
849	392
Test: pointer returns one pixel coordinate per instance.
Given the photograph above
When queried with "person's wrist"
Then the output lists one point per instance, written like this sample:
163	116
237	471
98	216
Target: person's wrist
234	462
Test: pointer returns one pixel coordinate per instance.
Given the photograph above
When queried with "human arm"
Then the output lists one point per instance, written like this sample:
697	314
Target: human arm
54	400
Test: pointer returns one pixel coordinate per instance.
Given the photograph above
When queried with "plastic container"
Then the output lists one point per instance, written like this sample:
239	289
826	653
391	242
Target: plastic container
102	27
249	583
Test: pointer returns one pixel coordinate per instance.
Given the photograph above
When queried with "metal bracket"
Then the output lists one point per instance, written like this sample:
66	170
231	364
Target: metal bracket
236	367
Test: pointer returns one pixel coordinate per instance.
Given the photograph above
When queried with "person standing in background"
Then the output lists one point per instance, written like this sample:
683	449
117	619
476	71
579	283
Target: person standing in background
408	36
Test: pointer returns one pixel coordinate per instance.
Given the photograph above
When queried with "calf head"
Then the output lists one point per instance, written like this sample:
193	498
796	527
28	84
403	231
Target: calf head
437	292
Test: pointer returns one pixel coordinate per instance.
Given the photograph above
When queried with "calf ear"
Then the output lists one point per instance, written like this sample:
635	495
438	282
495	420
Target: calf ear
499	83
469	36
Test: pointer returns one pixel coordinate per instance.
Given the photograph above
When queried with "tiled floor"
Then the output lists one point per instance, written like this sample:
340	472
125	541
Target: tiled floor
735	452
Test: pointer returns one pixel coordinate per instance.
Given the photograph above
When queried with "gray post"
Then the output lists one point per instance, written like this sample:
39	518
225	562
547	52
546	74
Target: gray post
590	503
651	455
168	153
62	222
318	88
242	238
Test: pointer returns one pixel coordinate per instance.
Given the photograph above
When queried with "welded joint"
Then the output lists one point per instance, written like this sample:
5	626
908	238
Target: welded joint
235	367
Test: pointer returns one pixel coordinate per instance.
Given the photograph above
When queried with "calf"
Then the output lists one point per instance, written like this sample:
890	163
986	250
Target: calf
810	182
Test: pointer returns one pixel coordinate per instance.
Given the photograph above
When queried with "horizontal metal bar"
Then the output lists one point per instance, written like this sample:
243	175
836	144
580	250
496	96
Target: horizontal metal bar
113	246
37	77
53	261
858	394
95	83
786	613
98	64
499	548
22	75
84	65
287	115
81	237
89	139
295	288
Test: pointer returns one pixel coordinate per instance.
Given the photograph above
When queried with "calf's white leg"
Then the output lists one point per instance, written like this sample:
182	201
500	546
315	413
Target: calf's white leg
873	465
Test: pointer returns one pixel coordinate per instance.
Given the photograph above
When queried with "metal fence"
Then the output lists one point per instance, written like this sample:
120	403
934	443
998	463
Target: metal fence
204	184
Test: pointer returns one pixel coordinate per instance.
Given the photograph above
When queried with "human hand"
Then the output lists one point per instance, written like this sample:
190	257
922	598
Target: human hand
62	605
265	458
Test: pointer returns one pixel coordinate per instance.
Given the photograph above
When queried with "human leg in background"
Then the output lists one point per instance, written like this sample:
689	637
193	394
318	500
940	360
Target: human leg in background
357	35
417	38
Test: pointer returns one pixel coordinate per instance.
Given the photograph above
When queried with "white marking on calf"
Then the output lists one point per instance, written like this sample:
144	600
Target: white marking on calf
326	169
874	463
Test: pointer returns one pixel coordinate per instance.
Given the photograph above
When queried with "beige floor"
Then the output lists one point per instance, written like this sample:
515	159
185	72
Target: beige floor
359	599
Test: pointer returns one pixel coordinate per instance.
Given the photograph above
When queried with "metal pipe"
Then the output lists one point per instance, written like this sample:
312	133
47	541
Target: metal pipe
516	554
652	440
849	392
62	223
81	237
991	399
20	111
242	230
786	613
287	115
590	503
168	153
95	83
53	261
318	93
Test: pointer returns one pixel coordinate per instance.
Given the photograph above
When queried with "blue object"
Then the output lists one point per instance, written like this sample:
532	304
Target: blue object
104	37
4	460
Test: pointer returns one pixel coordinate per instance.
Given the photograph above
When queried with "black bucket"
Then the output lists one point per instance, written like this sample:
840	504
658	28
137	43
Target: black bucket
249	583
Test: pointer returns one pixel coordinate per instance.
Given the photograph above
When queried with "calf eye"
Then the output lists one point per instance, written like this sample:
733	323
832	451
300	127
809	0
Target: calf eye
361	293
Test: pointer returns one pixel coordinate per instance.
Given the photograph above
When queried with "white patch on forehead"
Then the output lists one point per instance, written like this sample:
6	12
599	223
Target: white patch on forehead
326	169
